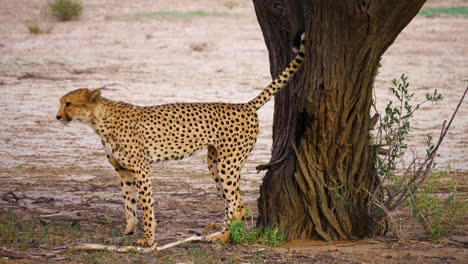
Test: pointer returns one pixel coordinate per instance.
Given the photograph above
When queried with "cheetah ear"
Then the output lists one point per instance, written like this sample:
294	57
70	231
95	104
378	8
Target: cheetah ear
94	95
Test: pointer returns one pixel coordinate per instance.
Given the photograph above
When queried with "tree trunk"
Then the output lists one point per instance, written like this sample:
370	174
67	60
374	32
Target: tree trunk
322	166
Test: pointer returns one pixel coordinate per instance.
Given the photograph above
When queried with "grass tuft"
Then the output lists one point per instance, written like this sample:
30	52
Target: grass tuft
65	10
26	233
171	14
231	4
439	215
36	29
272	237
455	11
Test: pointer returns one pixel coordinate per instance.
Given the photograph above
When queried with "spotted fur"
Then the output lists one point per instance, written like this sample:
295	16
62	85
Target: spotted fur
135	136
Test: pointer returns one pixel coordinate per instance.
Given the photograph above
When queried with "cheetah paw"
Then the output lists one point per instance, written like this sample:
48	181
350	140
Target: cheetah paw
129	231
146	242
223	238
211	226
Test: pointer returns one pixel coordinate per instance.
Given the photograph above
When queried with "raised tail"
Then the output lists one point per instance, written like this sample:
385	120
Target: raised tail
283	78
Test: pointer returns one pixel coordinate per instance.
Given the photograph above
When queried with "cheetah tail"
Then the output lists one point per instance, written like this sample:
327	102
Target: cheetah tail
283	78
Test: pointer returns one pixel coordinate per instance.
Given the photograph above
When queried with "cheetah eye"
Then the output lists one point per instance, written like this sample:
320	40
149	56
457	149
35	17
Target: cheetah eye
67	104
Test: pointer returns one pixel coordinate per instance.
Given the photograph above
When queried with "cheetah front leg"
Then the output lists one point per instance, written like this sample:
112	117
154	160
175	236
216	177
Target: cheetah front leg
145	197
127	183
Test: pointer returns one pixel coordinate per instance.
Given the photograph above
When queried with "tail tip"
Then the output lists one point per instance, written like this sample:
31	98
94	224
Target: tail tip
298	41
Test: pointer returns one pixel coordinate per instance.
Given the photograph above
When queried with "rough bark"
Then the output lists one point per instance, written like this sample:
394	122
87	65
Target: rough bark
322	164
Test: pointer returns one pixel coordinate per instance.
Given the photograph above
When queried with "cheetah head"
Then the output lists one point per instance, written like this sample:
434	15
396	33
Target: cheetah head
78	105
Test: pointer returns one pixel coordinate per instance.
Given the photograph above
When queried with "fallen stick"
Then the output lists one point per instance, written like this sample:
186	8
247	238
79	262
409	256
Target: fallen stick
12	254
123	249
59	214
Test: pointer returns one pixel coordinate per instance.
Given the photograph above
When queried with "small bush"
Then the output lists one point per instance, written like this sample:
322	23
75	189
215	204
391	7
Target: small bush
36	29
65	10
414	184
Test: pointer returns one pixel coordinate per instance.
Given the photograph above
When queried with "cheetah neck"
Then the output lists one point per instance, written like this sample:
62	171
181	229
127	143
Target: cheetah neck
101	114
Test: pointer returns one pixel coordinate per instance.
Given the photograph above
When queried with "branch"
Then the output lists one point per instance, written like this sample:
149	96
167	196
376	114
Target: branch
124	249
450	122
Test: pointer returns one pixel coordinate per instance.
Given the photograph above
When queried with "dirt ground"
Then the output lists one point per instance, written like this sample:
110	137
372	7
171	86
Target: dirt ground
220	55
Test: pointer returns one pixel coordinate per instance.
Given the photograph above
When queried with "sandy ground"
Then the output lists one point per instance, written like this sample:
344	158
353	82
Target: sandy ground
148	61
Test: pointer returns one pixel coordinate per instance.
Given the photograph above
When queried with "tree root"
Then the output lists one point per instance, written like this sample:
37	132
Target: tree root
124	249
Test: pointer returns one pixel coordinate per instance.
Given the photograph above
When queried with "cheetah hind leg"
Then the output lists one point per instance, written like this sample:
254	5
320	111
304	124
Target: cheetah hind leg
212	160
229	174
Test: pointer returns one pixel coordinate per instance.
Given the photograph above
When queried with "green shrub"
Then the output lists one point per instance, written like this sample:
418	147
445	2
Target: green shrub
414	184
65	10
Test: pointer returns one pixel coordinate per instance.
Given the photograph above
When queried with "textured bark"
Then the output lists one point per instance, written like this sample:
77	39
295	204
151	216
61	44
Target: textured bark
321	168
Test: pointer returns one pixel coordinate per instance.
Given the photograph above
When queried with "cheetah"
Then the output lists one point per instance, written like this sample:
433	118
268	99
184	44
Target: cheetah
134	137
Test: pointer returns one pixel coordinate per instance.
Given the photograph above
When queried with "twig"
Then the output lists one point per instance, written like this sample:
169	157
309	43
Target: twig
382	151
32	75
426	224
374	120
276	163
104	87
123	249
451	119
83	71
42	200
12	254
263	167
60	214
